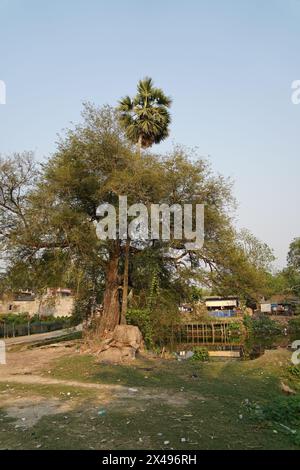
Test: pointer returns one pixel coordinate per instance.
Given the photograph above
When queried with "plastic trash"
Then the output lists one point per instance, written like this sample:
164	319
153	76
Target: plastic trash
184	355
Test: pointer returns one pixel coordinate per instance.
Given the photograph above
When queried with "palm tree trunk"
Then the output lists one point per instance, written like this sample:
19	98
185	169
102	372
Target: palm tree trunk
140	145
125	284
111	307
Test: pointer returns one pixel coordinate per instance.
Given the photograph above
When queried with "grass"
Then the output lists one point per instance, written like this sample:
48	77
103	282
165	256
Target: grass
178	405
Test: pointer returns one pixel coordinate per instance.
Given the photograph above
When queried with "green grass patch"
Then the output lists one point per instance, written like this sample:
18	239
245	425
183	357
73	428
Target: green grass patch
216	405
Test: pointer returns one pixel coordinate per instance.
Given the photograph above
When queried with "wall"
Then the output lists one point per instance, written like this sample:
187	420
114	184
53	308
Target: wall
60	306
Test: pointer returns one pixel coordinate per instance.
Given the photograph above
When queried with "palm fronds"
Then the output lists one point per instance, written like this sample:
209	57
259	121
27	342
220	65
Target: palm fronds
146	117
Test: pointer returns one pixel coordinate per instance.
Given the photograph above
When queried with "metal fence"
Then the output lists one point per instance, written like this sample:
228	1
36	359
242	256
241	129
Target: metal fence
11	330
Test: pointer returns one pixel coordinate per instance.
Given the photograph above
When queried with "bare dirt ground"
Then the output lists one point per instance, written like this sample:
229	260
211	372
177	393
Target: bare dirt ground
54	397
26	365
29	367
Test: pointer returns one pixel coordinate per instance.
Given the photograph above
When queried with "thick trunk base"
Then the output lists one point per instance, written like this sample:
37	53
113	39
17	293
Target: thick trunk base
111	307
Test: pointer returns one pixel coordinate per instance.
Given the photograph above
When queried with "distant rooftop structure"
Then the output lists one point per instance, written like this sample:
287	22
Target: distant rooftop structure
221	301
24	296
280	305
222	306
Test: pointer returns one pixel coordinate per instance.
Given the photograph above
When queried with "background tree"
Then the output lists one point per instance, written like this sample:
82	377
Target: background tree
293	258
292	271
258	253
287	280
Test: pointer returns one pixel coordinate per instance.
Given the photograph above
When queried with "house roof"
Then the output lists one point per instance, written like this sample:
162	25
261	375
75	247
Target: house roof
281	299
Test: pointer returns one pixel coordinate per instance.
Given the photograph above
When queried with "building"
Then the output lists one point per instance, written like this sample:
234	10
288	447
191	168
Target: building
55	303
219	306
185	308
280	305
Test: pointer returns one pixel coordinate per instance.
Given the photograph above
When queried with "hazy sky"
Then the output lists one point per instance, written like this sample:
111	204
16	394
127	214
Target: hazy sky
228	64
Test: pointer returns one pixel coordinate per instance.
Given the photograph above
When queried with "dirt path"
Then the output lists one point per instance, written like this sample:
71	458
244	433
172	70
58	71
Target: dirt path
30	361
28	367
39	380
25	367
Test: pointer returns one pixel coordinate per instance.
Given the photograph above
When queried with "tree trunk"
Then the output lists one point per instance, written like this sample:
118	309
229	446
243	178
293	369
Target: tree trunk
125	283
111	307
140	145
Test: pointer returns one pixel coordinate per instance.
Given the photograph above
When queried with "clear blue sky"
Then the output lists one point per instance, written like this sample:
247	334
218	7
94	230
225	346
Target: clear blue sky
228	64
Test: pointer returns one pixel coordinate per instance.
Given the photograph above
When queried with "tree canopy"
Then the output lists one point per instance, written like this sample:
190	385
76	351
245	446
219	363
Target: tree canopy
48	214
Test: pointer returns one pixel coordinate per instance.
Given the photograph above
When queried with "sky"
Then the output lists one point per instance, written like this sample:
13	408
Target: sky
227	64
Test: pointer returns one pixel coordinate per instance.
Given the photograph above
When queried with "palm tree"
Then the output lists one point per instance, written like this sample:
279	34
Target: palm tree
146	117
146	120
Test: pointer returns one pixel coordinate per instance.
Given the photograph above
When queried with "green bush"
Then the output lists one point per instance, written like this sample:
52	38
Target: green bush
200	354
23	319
283	413
156	320
19	319
285	410
297	311
234	329
247	321
234	326
294	325
294	371
262	326
141	319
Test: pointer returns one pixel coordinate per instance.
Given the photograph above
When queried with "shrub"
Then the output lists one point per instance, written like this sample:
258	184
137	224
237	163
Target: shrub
24	318
200	354
297	310
285	410
284	414
294	325
262	326
234	326
17	319
141	319
294	371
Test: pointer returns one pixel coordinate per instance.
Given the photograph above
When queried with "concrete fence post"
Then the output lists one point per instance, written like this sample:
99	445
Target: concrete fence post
2	352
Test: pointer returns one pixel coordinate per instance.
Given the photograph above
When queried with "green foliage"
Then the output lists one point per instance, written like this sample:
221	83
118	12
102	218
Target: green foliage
195	294
49	233
287	281
262	326
297	310
19	319
257	252
285	412
154	288
142	319
294	254
234	326
235	329
247	321
294	325
200	354
145	118
24	319
291	275
294	370
81	309
157	319
282	413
